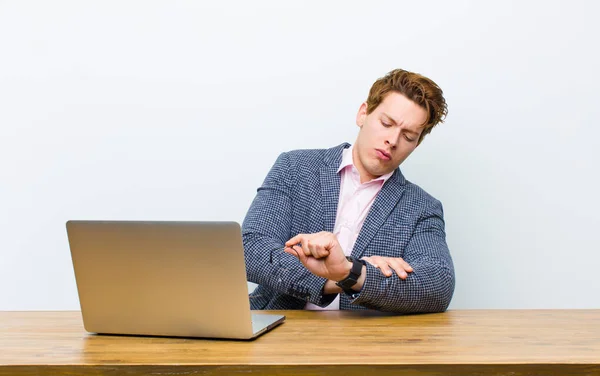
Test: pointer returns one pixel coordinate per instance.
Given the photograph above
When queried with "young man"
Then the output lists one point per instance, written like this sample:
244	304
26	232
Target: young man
342	228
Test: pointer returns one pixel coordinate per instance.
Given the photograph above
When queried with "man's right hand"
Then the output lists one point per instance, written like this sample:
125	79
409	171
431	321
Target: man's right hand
321	254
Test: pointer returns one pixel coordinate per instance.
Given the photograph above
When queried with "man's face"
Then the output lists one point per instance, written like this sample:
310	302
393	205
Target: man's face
387	135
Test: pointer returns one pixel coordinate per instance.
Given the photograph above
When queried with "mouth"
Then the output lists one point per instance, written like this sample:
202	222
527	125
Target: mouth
384	155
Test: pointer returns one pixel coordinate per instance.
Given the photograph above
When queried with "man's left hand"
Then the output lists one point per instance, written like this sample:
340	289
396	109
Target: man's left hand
387	264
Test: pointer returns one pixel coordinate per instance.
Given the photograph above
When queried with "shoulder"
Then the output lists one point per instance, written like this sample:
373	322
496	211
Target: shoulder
300	155
314	157
418	197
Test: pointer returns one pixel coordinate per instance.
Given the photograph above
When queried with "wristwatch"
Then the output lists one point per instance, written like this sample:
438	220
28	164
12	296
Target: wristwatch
347	283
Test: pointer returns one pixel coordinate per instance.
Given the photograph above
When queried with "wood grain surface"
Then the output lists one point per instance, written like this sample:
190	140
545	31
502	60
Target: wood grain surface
511	342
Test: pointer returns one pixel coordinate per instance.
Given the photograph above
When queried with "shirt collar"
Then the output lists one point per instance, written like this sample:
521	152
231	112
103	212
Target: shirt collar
347	162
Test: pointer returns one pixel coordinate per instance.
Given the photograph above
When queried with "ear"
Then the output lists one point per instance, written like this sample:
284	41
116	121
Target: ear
361	115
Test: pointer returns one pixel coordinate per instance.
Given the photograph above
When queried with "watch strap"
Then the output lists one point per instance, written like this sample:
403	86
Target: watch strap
352	278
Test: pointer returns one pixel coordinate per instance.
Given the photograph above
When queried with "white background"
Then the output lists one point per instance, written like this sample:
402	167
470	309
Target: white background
175	110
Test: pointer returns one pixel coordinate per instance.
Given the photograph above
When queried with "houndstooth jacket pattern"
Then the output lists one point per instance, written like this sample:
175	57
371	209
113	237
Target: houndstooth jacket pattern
300	195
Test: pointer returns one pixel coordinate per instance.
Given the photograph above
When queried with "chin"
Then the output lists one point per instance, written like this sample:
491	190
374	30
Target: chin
376	172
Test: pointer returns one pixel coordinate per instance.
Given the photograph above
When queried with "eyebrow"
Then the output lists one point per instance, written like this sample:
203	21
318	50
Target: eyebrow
394	121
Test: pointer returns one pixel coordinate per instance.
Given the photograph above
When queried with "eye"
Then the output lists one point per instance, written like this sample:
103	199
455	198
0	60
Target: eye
408	138
386	124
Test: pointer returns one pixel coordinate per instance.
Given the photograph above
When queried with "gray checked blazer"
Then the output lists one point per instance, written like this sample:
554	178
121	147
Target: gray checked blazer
300	195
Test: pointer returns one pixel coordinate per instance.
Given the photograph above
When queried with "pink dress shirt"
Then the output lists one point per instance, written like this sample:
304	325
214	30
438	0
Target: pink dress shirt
353	206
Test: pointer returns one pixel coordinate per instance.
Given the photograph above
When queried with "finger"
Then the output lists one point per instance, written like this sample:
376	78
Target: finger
380	263
383	266
318	251
377	262
332	243
398	268
306	244
321	244
313	247
407	266
300	254
386	270
295	240
290	251
370	261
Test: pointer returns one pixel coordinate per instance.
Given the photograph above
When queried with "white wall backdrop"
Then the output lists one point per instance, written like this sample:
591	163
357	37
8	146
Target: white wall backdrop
175	110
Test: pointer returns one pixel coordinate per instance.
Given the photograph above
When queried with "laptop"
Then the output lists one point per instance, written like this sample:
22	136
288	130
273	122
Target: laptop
180	279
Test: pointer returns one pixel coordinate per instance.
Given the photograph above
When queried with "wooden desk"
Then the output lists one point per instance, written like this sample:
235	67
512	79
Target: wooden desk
565	342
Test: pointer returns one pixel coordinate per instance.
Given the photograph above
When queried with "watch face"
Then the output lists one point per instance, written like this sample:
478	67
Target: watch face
348	282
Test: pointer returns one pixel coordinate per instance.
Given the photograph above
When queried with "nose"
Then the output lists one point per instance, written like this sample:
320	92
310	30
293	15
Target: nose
392	138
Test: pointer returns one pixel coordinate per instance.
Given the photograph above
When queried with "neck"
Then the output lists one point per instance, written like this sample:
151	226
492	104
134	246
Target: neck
364	175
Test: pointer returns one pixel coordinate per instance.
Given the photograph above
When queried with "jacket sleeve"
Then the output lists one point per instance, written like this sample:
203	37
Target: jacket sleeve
265	230
429	288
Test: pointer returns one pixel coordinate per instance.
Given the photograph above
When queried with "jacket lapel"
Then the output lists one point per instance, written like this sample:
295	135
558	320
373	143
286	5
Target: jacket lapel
384	203
330	185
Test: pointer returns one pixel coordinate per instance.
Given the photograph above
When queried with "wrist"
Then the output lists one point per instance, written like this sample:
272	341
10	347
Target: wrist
345	271
331	288
354	276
